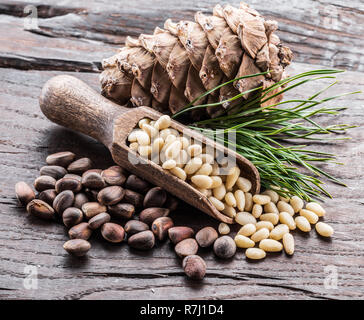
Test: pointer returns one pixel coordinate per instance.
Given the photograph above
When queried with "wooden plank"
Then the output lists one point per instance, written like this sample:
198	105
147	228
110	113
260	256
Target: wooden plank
327	33
115	271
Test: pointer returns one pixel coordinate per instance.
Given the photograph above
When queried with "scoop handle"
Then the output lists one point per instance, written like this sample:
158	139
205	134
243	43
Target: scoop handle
71	103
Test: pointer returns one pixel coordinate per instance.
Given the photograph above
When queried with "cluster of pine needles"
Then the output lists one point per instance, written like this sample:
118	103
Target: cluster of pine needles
275	138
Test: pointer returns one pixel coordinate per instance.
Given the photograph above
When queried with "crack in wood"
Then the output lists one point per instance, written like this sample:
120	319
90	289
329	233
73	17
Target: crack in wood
9	60
16	9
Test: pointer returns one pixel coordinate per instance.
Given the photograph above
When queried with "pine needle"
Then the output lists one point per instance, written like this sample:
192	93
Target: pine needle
269	136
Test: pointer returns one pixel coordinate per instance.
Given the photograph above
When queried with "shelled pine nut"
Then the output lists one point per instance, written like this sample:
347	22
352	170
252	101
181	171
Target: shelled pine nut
287	219
302	224
240	199
288	243
309	215
323	229
316	208
248	202
270	245
244	218
274	196
247	230
230	199
296	203
244	184
264	224
279	231
257	210
255	253
260	235
270	207
229	211
271	217
261	199
224	228
286	207
243	241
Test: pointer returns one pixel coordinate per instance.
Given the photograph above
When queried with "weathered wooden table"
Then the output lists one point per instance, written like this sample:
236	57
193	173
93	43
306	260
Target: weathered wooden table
73	38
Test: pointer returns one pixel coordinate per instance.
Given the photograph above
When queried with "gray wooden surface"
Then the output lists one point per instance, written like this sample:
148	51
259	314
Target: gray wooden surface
74	36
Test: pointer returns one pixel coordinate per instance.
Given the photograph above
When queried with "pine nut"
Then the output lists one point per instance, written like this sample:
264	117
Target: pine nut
144	151
142	138
247	230
173	150
270	208
179	173
260	235
264	224
240	199
274	196
279	231
217	203
229	211
244	184
132	137
184	142
169	164
165	133
243	241
255	253
270	245
257	210
202	181
230	199
215	169
182	158
205	169
288	243
142	122
223	228
284	199
244	218
286	218
219	192
284	206
193	165
134	146
261	199
248	202
323	229
194	150
163	122
316	208
271	217
151	131
232	177
168	141
157	145
296	203
216	182
302	224
309	215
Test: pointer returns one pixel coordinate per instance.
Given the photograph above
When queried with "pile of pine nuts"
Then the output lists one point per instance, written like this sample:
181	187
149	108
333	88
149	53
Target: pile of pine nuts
191	162
271	218
266	218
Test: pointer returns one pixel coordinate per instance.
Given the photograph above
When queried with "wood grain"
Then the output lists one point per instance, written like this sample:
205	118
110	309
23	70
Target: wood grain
115	271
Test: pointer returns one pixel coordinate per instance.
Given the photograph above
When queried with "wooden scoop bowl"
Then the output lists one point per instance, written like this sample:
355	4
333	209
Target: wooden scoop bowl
69	102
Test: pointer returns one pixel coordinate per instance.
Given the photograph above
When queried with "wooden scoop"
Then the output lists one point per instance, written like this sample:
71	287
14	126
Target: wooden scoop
69	102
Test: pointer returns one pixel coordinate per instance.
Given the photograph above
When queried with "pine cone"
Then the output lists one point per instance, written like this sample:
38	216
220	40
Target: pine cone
177	64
